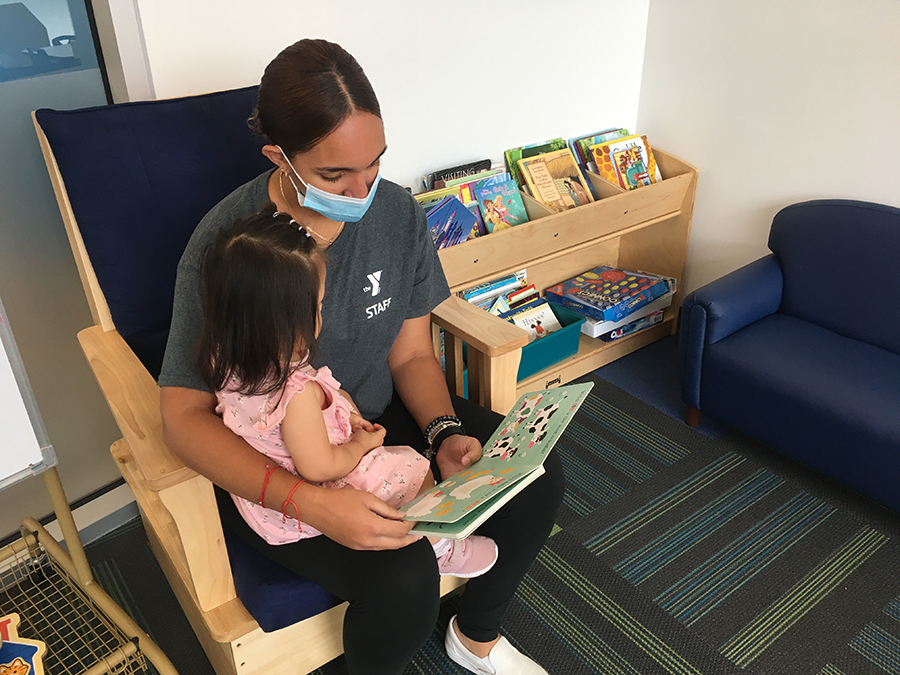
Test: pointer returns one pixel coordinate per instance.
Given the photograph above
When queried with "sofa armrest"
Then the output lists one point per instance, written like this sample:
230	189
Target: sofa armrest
133	397
723	307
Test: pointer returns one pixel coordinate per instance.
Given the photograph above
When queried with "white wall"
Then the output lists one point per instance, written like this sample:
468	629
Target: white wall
457	81
775	102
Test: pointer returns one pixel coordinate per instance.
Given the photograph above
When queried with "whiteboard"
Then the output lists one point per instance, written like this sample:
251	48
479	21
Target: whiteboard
24	448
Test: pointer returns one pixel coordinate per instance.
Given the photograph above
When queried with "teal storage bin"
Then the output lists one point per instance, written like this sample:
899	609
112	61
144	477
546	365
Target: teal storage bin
548	350
557	346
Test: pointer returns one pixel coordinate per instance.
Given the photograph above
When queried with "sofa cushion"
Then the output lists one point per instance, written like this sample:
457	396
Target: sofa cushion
828	401
839	261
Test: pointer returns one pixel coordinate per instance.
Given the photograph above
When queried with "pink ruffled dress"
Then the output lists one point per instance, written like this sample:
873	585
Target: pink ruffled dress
393	474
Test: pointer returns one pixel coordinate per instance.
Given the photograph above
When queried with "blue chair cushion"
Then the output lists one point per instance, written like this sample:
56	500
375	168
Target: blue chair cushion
139	177
826	400
838	258
275	597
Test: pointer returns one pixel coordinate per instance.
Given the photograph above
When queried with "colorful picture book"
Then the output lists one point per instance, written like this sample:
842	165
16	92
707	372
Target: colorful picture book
583	146
501	205
608	293
450	223
538	319
513	155
628	162
513	457
555	180
480	230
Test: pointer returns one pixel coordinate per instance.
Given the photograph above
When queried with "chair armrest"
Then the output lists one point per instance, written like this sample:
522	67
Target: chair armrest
133	397
723	307
495	350
482	331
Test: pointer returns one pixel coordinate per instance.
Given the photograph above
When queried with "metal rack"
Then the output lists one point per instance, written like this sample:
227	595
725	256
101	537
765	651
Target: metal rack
58	602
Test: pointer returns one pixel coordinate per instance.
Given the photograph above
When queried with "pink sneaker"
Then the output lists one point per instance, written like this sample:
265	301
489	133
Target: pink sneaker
469	557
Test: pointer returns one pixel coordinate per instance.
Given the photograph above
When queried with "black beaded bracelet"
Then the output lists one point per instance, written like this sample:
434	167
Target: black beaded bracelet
443	435
437	427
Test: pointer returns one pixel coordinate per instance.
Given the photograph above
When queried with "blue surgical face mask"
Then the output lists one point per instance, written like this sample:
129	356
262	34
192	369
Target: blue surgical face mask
339	208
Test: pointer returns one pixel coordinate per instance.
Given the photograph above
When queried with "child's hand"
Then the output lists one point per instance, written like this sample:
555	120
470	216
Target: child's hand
357	422
369	439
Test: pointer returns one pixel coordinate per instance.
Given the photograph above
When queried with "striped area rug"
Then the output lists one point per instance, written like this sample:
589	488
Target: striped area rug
674	554
679	554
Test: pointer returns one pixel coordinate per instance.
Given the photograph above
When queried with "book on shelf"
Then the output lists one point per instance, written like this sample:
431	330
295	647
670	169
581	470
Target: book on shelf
501	204
452	172
627	162
555	180
480	230
512	458
584	144
595	327
450	223
513	155
489	290
634	326
538	319
428	200
608	293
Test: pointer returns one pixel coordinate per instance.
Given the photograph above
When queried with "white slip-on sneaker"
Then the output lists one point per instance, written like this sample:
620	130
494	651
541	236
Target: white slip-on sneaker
504	659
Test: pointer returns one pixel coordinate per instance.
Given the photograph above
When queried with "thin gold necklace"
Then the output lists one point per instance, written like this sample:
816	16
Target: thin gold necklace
305	226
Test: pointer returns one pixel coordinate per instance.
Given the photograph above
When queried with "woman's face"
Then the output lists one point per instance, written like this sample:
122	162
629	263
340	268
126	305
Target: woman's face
346	161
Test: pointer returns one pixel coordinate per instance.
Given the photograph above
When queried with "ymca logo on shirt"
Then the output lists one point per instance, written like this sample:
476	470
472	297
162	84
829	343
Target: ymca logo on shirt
374	288
375	280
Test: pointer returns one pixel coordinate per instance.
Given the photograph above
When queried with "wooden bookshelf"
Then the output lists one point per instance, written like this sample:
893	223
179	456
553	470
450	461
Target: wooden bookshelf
643	230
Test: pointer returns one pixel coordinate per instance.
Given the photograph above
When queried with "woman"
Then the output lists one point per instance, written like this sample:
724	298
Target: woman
325	136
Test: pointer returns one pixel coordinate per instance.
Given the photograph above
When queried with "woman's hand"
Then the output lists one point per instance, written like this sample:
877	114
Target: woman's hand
359	520
456	453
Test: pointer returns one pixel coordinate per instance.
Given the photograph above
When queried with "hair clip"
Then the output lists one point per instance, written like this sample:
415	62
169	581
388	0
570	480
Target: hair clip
276	214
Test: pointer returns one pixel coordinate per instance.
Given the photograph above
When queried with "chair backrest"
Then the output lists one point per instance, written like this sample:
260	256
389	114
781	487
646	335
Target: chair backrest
139	177
839	259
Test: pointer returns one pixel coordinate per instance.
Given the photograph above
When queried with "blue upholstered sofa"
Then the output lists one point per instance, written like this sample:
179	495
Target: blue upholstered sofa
801	349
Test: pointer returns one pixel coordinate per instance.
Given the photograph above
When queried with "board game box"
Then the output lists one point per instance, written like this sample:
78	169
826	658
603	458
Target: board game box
608	293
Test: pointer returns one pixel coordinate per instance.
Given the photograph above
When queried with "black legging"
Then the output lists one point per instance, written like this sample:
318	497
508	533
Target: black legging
394	595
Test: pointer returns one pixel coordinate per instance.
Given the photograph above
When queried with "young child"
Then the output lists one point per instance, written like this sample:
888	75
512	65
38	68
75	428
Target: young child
263	281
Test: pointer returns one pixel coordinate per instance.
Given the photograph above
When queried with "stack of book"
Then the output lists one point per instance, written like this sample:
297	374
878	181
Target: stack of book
484	198
553	172
481	197
615	302
512	298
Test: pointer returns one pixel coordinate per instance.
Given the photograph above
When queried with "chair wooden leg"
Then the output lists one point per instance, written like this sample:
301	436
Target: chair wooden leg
692	416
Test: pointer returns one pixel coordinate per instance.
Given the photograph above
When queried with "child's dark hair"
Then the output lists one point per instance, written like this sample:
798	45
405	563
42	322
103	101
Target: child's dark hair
260	285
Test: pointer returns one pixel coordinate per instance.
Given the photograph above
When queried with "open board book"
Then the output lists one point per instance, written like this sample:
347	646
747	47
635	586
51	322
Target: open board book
513	457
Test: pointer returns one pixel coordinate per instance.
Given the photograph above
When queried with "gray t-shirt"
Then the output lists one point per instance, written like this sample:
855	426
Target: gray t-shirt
381	271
